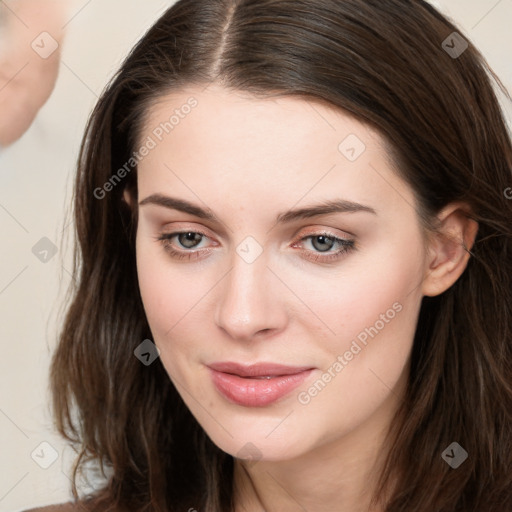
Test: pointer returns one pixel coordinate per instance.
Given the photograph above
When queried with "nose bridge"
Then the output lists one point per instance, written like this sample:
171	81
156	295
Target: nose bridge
248	302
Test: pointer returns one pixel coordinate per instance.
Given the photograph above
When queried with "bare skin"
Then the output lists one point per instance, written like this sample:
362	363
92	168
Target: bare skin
28	65
315	450
247	160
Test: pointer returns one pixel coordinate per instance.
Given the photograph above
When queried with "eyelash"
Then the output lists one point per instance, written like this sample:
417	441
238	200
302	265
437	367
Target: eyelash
346	246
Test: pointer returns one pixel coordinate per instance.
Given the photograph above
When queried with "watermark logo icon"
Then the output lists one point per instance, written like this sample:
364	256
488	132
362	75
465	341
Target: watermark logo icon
44	45
249	250
147	352
455	45
44	250
352	147
250	453
454	455
44	455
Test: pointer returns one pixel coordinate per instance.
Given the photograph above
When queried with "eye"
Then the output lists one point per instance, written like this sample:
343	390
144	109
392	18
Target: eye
321	242
324	242
187	239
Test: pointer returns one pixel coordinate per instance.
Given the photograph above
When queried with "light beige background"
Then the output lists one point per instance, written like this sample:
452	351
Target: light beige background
35	189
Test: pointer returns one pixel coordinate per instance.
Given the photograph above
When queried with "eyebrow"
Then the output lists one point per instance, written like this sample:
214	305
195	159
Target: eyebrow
324	208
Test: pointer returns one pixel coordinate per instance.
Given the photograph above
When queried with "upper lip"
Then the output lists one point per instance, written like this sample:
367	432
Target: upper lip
258	369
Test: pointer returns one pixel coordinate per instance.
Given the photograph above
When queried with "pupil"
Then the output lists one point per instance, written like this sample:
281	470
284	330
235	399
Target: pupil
324	240
190	238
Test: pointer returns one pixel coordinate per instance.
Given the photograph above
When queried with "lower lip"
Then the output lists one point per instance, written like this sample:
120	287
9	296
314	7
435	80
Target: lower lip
256	392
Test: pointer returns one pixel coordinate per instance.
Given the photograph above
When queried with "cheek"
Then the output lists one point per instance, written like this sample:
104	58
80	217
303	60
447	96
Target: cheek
367	289
161	294
174	299
366	367
162	282
372	307
154	289
365	363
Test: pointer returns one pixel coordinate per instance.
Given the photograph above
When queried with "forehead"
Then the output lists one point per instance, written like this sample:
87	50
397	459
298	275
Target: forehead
213	141
238	114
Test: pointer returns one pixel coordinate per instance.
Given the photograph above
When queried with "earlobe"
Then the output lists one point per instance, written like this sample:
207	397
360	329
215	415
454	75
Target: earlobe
449	249
127	197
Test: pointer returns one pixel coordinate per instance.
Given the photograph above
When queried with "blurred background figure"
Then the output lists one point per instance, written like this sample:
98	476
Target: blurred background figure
31	32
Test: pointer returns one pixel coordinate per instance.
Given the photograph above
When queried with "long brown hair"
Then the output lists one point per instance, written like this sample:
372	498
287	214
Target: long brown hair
387	63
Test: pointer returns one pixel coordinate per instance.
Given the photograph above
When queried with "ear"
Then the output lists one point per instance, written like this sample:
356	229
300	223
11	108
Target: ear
448	249
127	197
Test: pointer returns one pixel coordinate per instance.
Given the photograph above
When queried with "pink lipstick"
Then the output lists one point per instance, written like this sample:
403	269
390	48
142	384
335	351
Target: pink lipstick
256	385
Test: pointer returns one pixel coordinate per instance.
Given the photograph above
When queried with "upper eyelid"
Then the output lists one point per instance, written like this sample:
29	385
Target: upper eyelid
315	230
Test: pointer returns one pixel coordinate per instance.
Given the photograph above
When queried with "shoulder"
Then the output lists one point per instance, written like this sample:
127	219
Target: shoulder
62	507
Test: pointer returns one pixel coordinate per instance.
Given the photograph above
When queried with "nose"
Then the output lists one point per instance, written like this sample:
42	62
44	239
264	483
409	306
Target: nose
251	300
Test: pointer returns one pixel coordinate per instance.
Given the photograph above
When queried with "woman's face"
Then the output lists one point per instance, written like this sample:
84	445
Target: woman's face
257	281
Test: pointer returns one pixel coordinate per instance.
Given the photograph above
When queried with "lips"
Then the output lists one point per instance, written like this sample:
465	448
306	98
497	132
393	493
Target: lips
258	370
256	385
